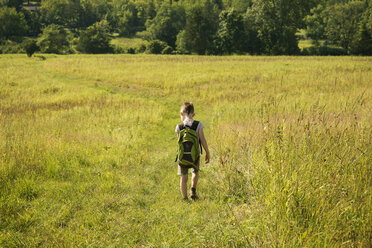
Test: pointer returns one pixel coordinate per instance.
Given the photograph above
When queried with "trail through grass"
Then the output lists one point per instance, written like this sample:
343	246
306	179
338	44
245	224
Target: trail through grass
87	149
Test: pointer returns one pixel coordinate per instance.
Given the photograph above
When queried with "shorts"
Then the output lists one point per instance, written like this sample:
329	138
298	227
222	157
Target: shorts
185	170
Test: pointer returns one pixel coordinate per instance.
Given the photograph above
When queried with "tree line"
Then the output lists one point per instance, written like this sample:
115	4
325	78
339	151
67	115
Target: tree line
191	26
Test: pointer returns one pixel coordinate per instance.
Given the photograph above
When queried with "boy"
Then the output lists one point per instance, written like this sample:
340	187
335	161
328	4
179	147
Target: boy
187	114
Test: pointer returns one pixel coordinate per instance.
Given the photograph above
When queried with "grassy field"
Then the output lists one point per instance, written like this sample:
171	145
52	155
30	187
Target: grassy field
87	149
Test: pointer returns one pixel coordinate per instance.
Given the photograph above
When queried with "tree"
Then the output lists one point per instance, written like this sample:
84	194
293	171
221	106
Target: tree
315	23
230	34
277	22
342	22
92	11
30	47
33	21
362	41
17	4
96	39
200	29
62	12
12	23
252	44
182	44
54	39
128	17
145	12
156	46
128	20
368	17
168	22
240	6
74	13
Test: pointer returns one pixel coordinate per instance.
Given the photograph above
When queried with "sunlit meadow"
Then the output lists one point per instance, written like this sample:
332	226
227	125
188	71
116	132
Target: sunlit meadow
87	149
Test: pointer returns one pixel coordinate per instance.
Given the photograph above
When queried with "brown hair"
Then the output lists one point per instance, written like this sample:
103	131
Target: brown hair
187	108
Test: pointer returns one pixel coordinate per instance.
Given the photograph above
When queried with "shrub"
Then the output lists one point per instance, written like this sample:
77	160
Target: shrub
167	50
156	46
141	48
131	50
332	51
30	47
118	50
324	51
11	47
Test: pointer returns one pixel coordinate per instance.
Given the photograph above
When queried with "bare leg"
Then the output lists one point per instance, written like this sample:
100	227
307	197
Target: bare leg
183	185
194	180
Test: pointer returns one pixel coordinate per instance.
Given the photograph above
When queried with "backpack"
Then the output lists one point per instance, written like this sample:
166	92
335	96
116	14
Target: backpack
188	145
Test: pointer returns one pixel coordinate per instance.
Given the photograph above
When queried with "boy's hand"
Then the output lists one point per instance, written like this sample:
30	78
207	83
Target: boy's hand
207	157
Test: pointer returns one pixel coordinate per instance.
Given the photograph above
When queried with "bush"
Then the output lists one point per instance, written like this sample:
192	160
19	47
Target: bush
11	47
30	47
141	48
324	51
156	47
96	39
167	50
118	50
332	51
55	39
131	50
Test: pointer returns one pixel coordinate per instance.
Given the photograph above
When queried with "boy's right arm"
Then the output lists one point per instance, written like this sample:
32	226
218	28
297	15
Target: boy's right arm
205	145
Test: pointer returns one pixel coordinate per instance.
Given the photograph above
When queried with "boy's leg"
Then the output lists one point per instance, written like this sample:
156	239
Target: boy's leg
195	175
183	185
194	179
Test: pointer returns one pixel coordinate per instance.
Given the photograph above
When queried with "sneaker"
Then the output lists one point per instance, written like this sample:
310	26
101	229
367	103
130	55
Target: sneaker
194	196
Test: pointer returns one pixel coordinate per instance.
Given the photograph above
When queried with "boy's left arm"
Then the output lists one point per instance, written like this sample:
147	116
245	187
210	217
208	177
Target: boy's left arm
205	145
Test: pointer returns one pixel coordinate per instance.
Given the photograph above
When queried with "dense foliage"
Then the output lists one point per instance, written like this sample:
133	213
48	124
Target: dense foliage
95	39
12	23
55	39
204	26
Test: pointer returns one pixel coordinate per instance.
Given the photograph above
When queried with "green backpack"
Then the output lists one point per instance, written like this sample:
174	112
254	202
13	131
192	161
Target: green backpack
188	145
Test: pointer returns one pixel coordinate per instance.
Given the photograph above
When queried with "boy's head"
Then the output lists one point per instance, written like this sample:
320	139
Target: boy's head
187	110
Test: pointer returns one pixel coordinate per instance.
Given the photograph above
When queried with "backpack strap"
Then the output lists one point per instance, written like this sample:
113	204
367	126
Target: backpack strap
194	125
181	126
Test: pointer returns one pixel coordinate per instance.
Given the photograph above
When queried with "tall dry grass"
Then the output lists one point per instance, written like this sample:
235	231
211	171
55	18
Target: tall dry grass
87	149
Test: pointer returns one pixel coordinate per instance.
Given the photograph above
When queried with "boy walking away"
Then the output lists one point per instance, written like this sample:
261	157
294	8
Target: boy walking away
190	141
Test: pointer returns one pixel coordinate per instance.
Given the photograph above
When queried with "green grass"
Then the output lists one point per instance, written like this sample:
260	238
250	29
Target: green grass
305	44
87	146
126	43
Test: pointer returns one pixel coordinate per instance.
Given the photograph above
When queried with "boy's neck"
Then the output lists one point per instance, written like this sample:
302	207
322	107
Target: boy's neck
188	118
